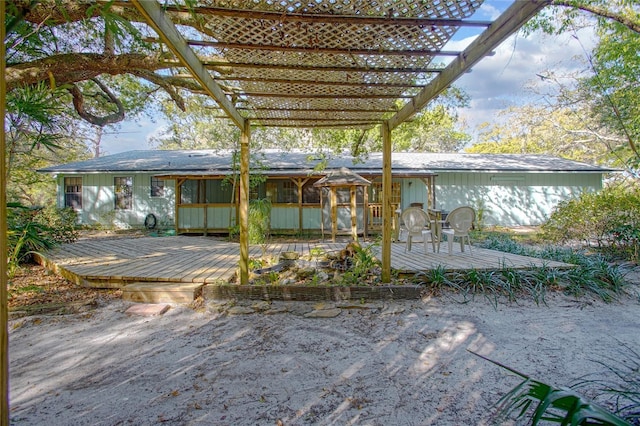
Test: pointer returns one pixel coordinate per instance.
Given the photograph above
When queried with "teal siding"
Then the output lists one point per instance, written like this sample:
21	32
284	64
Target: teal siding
285	218
220	217
506	199
98	205
511	199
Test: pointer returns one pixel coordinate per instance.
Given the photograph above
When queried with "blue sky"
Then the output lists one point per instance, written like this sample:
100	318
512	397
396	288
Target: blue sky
494	84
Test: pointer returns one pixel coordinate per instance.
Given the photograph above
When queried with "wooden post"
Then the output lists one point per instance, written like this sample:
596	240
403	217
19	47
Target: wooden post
4	280
300	183
322	212
176	204
387	208
365	212
354	213
244	203
334	214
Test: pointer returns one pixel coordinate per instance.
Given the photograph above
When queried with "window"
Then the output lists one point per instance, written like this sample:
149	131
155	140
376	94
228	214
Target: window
73	192
157	187
123	189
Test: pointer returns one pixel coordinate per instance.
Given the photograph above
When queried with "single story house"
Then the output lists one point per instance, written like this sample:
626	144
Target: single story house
194	191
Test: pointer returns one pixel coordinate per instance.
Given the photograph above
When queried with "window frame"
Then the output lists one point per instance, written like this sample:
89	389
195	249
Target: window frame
156	187
123	191
77	192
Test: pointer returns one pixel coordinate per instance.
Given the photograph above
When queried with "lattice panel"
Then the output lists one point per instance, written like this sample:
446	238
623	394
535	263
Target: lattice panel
323	59
396	8
327	36
294	75
314	123
316	115
321	104
294	44
323	89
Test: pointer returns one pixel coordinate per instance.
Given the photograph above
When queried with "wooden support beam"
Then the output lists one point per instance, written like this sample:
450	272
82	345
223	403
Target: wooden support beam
354	213
404	85
334	213
221	66
300	182
244	203
506	24
315	50
168	33
4	280
387	208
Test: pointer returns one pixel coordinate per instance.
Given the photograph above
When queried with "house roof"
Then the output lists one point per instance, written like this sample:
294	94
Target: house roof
212	162
342	177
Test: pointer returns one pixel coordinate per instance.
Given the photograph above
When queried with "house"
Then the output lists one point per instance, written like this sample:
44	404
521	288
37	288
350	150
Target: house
195	191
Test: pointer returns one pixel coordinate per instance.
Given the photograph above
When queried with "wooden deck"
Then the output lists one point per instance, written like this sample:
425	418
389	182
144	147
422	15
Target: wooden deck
114	263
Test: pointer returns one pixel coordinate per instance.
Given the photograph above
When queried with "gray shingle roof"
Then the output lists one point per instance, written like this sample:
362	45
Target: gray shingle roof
281	162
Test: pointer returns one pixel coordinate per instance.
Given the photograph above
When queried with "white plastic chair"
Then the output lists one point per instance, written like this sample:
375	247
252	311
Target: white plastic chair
461	220
417	223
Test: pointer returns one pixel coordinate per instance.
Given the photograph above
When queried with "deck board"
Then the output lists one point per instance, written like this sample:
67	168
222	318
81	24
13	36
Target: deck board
206	259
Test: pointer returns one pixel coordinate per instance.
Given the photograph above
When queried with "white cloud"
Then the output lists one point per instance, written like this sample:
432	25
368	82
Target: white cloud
501	80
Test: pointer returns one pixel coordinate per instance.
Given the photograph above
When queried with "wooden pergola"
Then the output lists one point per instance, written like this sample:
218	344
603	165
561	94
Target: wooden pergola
328	64
322	64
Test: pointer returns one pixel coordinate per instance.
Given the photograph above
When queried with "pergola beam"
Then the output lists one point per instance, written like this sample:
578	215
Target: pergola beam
320	82
508	23
353	69
327	18
315	50
169	34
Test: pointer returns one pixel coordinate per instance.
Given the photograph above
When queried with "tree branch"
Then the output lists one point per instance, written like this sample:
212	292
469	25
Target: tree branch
78	104
633	25
70	68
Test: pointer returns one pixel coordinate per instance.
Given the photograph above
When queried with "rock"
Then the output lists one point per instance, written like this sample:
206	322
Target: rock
289	255
324	313
240	310
392	310
261	306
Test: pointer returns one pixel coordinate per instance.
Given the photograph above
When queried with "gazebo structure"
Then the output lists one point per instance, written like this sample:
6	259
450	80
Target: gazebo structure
314	64
330	186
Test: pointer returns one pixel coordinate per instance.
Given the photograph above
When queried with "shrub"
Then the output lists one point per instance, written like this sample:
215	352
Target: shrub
592	273
610	219
32	230
259	221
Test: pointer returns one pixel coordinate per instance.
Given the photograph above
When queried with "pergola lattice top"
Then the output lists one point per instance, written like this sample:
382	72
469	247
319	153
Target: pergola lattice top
330	63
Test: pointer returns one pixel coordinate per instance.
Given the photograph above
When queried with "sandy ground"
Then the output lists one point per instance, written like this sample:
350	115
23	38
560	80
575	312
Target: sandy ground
399	363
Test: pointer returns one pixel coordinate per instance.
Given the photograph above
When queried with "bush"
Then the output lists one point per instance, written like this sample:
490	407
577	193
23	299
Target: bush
32	230
610	219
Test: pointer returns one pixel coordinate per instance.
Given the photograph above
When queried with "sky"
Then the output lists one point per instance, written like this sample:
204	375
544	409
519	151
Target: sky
494	83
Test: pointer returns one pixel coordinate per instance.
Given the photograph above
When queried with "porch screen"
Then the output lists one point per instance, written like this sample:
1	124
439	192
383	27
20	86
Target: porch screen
206	191
73	192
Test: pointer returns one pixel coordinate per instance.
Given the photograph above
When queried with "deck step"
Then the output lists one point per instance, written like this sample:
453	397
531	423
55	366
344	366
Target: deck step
161	292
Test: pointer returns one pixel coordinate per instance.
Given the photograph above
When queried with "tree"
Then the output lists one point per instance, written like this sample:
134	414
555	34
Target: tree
554	130
612	91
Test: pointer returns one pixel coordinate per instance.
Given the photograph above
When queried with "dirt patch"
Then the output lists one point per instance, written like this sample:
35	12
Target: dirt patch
35	290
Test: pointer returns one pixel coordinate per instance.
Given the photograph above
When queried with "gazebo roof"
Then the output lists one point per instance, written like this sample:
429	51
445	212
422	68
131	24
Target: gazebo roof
342	177
326	63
